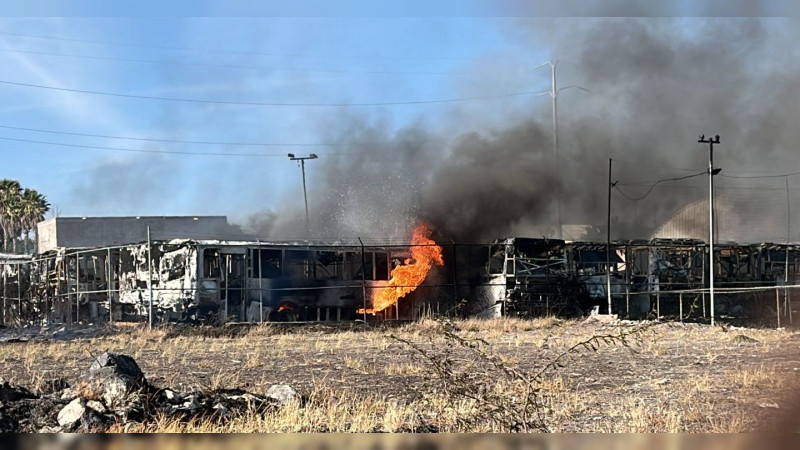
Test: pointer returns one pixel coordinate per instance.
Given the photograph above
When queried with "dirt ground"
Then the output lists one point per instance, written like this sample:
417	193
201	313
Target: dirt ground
665	377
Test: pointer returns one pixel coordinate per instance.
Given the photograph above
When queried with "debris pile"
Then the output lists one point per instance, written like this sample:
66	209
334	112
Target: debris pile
114	390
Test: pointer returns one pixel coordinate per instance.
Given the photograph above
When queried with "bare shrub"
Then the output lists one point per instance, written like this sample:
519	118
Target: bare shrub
507	398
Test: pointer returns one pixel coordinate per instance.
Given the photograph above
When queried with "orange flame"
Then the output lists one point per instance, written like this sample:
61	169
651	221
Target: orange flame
406	278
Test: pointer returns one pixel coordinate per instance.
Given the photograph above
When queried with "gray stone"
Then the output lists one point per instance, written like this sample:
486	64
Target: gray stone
68	394
114	378
172	396
70	416
282	394
96	406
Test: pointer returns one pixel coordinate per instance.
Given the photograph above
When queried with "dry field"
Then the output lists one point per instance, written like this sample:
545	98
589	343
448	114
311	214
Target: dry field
460	376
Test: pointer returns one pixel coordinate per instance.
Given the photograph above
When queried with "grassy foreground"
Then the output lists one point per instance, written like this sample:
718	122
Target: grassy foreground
462	376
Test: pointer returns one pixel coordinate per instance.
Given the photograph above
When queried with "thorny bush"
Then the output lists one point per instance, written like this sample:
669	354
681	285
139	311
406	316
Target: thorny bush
507	398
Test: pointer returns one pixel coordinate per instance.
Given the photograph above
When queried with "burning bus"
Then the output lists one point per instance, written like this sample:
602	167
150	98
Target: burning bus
221	280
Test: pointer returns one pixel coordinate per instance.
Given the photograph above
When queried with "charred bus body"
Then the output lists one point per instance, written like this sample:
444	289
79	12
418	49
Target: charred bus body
218	280
659	277
210	280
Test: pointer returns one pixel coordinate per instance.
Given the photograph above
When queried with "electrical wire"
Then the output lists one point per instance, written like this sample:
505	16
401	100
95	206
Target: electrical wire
760	176
225	66
62	144
175	141
228	102
234	52
655	184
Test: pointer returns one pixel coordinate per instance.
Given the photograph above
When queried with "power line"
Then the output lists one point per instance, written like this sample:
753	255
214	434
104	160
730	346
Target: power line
761	176
616	186
229	102
61	144
226	66
176	141
235	52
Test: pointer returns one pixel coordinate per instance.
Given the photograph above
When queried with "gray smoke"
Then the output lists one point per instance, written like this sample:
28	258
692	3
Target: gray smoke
655	85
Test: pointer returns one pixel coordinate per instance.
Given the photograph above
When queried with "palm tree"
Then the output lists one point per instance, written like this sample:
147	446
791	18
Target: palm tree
34	205
10	193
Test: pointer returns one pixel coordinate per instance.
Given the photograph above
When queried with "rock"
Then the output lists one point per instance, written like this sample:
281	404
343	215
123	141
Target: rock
173	397
10	393
91	421
113	378
192	404
221	410
742	339
96	406
70	416
68	394
282	394
768	405
124	364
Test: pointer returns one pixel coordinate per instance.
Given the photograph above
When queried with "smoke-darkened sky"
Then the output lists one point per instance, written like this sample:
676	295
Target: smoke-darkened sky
365	95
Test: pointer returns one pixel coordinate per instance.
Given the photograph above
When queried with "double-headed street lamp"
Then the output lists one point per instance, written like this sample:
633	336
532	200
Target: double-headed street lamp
302	160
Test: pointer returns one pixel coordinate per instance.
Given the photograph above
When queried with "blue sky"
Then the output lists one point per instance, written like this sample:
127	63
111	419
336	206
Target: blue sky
295	60
655	84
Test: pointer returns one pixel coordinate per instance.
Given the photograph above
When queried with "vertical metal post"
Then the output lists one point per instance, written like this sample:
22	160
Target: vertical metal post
778	306
4	292
302	160
109	280
77	287
680	308
305	195
658	305
711	173
149	281
455	274
703	282
19	292
786	300
608	240
363	280
554	96
260	286
628	280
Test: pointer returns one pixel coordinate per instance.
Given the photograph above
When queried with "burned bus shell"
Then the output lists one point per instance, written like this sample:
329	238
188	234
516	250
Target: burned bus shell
209	280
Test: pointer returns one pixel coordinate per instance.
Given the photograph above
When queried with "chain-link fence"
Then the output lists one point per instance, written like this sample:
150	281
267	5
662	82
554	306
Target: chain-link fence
221	281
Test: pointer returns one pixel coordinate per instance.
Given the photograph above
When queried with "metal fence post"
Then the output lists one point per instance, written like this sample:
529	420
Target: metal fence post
149	282
4	293
109	276
658	305
77	287
680	308
363	279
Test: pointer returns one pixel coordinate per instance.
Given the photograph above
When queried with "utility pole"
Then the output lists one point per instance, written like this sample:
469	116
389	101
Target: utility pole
302	160
553	92
554	97
711	172
608	239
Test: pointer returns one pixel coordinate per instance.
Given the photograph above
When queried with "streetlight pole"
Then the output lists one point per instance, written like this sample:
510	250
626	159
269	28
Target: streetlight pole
302	160
711	172
608	239
553	92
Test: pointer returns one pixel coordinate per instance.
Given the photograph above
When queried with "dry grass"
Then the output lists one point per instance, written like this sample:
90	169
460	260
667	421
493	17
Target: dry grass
677	378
